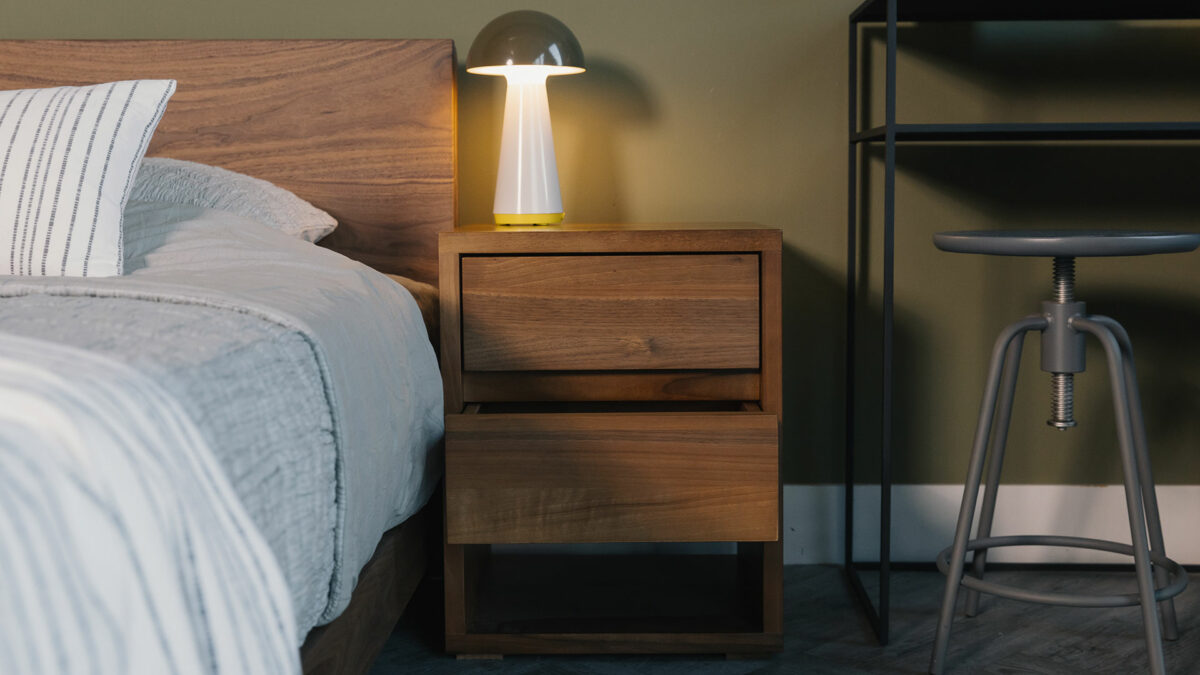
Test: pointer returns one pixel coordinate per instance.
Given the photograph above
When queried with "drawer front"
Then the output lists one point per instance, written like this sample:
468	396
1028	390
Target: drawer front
611	477
612	312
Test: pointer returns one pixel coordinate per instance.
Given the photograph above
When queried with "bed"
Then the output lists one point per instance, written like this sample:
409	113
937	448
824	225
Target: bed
365	130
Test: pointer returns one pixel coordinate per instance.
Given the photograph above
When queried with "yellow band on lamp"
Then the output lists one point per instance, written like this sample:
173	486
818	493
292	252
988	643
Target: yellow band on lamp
528	218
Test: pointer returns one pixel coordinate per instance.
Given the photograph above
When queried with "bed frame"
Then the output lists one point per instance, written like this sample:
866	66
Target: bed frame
364	129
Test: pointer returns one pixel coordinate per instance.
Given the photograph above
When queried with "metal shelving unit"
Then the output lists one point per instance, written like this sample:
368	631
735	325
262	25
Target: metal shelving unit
890	13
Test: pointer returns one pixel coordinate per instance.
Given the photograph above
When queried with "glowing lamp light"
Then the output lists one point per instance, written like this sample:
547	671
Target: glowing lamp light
526	47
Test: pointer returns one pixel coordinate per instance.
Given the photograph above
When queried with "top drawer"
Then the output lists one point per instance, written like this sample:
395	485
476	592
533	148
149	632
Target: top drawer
610	312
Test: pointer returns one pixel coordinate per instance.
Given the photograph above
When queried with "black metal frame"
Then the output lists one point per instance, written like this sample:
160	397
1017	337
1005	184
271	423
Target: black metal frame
887	12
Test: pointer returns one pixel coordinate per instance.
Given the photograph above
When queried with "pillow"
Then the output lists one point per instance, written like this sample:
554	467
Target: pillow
70	155
178	182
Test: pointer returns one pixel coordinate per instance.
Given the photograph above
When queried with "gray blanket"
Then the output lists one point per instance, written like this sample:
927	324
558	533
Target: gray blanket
310	377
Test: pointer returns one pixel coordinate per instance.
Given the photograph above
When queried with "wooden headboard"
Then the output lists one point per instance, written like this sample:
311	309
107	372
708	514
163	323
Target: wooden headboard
364	129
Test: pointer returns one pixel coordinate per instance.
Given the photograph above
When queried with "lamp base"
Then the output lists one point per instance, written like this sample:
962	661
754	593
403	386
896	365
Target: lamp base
528	218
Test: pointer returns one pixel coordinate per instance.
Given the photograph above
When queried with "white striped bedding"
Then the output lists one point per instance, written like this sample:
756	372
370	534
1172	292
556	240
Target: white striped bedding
125	549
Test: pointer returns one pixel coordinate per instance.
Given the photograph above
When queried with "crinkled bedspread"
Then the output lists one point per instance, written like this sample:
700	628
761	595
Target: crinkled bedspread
310	377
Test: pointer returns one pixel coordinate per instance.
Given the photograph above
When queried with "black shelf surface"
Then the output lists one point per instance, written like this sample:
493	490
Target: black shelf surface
1036	131
875	11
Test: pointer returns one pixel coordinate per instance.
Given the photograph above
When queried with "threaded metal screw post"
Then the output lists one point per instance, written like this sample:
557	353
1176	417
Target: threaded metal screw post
1062	401
1062	391
1064	280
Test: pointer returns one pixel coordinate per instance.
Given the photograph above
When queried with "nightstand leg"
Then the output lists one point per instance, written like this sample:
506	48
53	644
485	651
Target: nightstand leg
760	570
462	569
456	590
773	587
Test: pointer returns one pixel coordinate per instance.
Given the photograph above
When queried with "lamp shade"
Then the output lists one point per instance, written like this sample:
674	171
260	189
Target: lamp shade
525	38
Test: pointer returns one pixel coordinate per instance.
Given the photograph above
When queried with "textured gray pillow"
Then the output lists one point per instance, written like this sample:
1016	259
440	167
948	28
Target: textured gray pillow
192	184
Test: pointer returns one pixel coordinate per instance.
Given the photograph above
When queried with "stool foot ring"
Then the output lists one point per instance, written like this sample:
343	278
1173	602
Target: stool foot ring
1177	576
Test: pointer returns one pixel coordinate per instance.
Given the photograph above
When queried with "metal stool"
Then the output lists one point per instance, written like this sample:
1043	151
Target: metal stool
1064	323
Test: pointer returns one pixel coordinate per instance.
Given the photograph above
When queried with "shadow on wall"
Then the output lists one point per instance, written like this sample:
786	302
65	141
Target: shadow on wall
1078	183
595	111
1144	187
813	360
913	372
590	112
1079	56
1040	72
912	361
1165	329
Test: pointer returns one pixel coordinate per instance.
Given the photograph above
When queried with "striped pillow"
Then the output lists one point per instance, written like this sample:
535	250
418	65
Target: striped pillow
70	156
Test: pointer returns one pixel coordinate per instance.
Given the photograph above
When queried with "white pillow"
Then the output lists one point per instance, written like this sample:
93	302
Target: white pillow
70	155
191	184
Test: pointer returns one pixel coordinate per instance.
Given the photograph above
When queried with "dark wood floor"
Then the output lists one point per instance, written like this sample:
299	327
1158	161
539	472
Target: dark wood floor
825	633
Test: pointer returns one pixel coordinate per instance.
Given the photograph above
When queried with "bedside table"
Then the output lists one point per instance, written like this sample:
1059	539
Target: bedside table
604	384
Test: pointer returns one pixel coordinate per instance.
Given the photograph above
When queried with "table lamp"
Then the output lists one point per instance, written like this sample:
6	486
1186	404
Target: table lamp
526	47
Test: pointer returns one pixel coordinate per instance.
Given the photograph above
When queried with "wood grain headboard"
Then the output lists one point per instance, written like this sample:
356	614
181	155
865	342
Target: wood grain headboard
364	129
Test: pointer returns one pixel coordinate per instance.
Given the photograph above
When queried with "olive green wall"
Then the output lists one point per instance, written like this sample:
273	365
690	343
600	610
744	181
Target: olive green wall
735	110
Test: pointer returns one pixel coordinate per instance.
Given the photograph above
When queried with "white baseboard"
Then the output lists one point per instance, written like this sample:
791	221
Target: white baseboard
923	518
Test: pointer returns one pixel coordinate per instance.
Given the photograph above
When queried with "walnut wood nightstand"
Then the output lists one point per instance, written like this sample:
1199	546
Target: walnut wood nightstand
611	383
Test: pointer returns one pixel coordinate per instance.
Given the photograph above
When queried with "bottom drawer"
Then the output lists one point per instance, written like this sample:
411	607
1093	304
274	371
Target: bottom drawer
579	477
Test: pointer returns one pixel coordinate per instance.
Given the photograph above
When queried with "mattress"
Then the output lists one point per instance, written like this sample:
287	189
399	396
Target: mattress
311	378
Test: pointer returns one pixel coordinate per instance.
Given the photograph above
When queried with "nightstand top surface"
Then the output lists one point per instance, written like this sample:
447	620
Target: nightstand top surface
611	227
600	238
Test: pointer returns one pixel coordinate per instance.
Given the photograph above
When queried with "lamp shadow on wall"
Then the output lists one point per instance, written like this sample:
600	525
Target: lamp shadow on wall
591	114
597	110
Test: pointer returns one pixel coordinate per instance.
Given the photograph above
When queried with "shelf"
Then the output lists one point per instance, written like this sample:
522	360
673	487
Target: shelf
590	604
563	593
1037	131
875	11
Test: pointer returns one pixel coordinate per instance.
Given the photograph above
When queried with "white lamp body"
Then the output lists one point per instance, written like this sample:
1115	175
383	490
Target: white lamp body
527	181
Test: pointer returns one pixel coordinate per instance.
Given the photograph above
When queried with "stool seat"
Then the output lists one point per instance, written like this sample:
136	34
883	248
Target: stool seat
1066	243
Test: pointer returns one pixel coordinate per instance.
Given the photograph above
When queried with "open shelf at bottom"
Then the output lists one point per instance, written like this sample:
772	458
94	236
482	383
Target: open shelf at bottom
543	593
593	603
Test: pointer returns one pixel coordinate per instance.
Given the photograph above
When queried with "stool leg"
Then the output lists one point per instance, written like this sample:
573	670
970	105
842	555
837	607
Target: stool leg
1008	389
966	513
1149	497
1133	487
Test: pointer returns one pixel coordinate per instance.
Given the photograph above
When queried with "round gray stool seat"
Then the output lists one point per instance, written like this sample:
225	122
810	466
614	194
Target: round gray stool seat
1066	243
